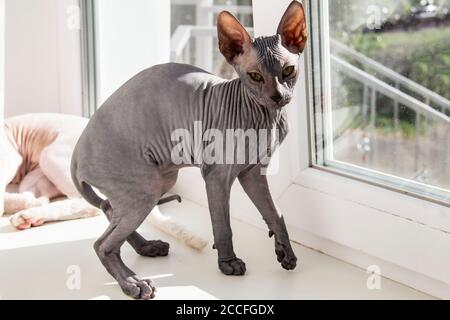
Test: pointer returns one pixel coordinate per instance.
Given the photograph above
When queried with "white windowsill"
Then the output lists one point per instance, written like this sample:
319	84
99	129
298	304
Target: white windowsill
409	238
385	201
186	274
356	222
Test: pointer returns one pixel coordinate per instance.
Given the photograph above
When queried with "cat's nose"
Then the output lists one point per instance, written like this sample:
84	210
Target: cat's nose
276	98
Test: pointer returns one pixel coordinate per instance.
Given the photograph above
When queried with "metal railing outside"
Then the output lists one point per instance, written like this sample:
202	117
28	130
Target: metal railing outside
433	106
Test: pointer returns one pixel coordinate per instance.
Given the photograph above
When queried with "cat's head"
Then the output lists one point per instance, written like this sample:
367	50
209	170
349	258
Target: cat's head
268	66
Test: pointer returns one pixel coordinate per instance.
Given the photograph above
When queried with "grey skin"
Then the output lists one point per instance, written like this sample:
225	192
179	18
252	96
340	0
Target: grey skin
125	150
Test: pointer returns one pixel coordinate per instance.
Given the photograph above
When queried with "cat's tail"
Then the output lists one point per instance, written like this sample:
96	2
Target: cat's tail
176	230
84	189
156	218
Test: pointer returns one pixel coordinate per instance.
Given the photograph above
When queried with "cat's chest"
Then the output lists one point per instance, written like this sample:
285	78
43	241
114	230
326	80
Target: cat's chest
271	137
280	126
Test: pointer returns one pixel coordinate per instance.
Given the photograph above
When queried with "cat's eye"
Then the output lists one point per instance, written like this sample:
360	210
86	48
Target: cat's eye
288	71
256	76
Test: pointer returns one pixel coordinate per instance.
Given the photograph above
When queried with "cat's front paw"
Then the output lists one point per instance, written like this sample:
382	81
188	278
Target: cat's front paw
234	266
26	219
142	289
285	256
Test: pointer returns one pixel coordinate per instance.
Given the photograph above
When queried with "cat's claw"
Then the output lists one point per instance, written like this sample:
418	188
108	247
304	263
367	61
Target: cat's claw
233	266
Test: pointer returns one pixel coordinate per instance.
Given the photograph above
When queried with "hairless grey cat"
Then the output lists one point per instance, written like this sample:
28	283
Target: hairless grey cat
126	149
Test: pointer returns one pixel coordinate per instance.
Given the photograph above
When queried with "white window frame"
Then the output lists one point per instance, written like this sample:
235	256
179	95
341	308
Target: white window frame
321	118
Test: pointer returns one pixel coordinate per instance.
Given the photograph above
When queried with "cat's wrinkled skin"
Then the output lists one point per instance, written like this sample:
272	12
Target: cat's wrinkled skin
126	148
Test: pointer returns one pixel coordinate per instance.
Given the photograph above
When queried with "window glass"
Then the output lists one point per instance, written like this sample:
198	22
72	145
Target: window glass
382	91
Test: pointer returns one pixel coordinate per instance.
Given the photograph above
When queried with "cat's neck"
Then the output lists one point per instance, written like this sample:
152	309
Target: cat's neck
270	118
239	98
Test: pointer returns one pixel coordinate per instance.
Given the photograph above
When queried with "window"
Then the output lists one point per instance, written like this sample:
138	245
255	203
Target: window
380	75
181	31
194	33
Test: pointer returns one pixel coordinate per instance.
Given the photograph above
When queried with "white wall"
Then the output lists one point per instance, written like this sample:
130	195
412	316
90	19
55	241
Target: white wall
43	72
43	59
2	59
2	86
130	36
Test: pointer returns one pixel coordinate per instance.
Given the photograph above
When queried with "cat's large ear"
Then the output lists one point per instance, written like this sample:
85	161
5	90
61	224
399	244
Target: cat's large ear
292	28
233	38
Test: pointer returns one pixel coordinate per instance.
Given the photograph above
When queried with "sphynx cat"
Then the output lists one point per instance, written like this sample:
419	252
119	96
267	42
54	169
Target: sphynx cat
35	156
35	153
127	148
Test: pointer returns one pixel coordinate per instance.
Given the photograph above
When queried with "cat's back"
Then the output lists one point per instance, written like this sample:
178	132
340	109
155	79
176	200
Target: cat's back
176	79
160	87
170	78
156	89
179	72
148	108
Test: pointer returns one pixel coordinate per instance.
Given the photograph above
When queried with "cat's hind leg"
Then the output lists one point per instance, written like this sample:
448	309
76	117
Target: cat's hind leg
35	192
15	202
55	161
37	183
25	198
142	246
132	195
